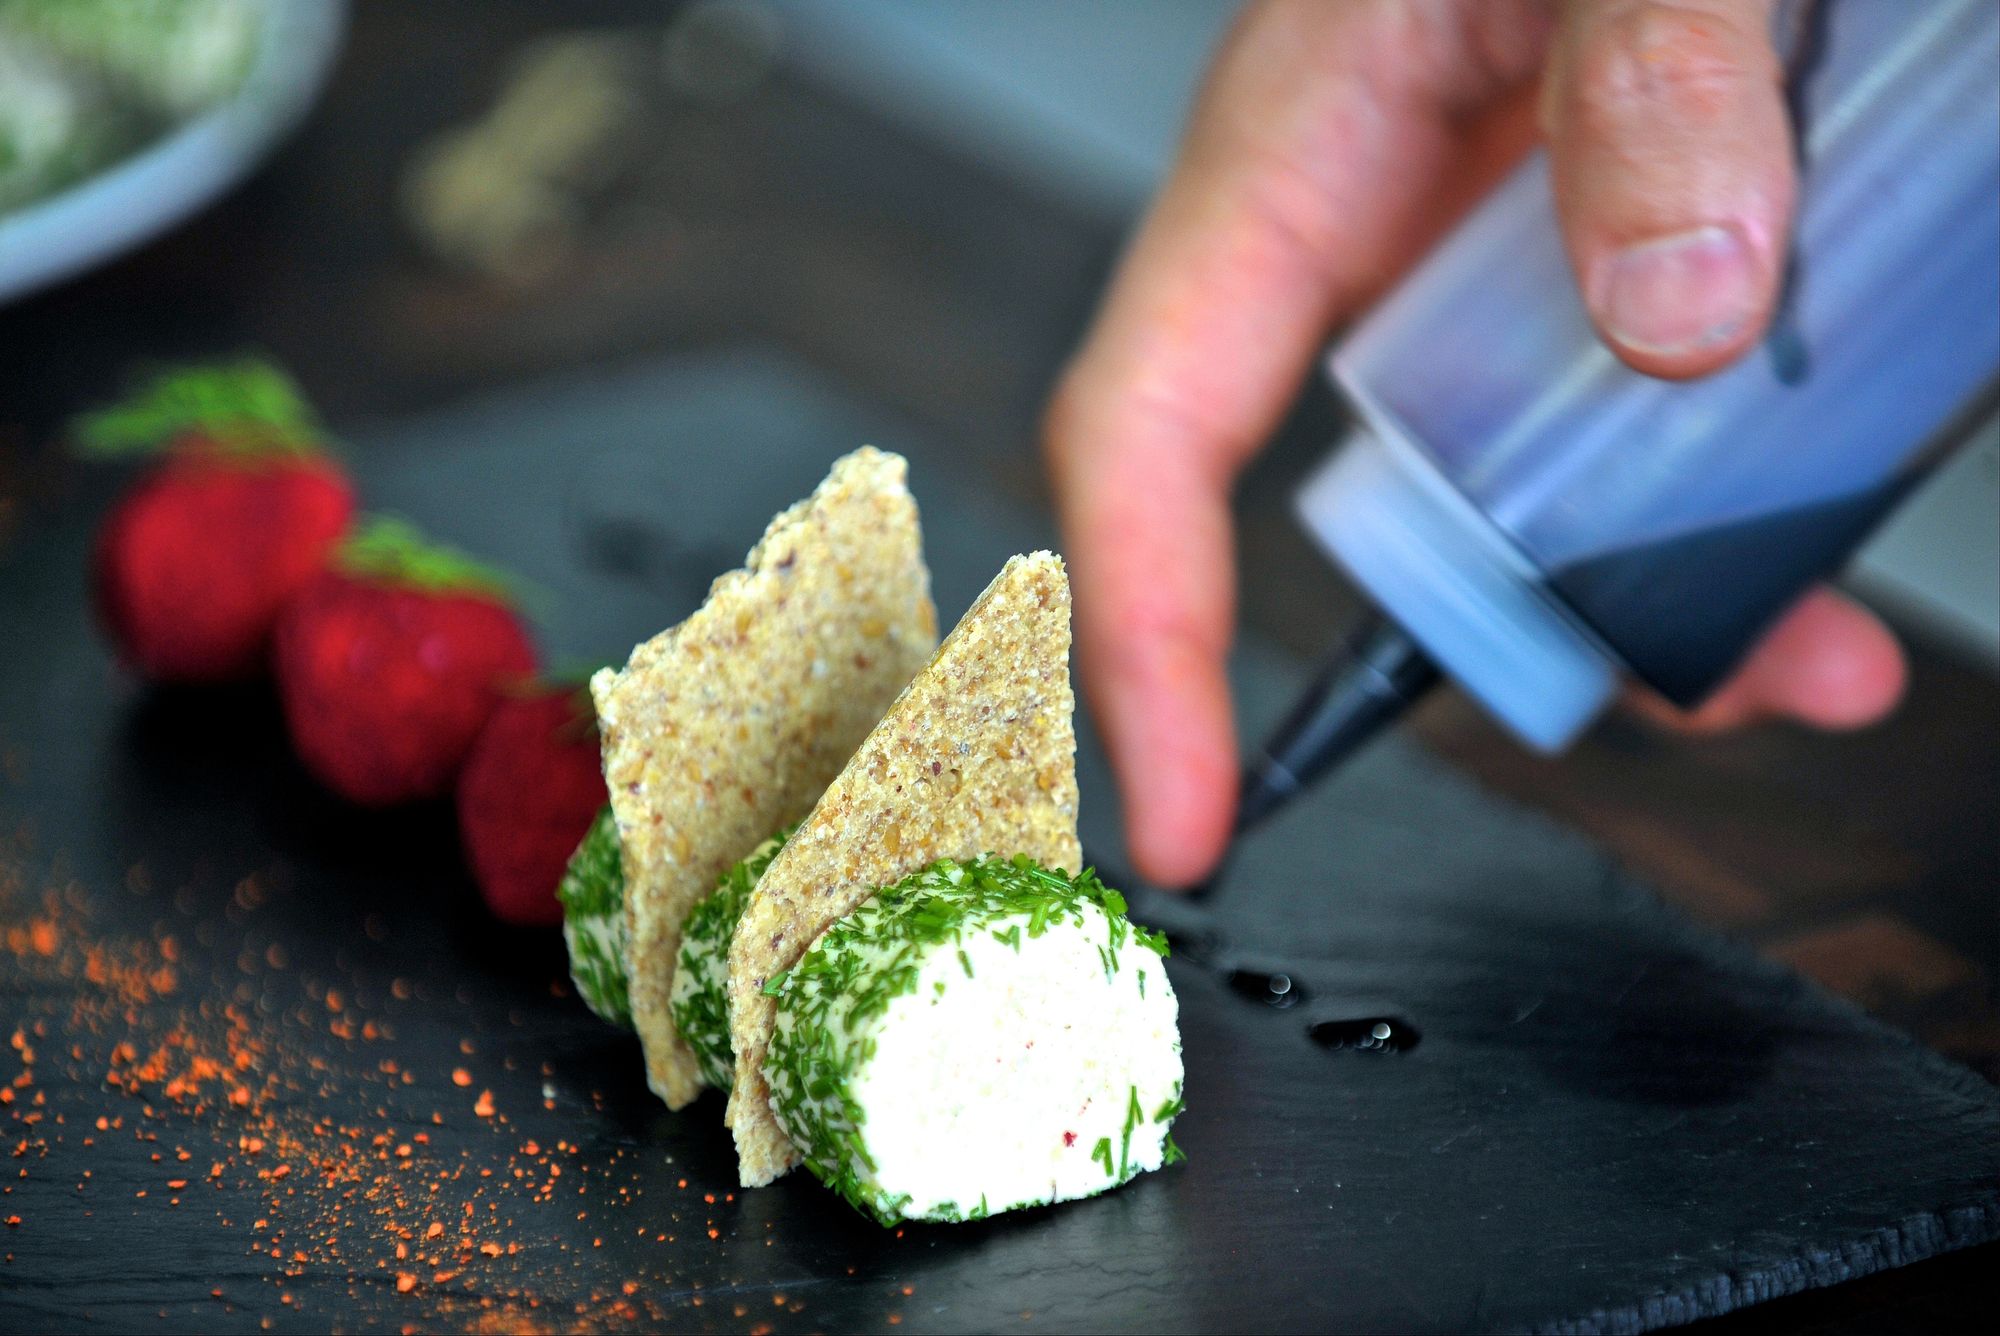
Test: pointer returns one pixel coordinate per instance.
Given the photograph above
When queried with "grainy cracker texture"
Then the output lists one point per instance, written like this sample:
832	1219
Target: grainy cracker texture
977	756
727	727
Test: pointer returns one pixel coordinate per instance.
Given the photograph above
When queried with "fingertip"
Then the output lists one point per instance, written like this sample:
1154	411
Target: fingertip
1178	830
1831	664
1173	748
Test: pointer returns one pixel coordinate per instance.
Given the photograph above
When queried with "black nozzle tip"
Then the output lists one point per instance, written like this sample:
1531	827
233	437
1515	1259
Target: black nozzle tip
1266	787
1357	694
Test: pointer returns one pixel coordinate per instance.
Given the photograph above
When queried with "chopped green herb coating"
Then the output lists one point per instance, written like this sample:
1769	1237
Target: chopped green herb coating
700	998
593	900
831	1008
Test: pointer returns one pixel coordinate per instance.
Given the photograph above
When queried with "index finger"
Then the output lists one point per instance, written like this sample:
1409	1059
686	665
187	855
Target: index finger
1322	137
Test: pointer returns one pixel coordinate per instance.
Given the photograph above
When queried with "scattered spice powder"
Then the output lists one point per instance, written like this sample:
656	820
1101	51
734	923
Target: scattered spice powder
184	1029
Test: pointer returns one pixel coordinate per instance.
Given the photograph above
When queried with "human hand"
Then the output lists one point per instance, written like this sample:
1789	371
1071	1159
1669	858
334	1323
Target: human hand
1331	144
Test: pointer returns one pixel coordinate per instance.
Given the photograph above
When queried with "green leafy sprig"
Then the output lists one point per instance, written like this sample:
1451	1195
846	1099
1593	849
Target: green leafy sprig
247	407
387	549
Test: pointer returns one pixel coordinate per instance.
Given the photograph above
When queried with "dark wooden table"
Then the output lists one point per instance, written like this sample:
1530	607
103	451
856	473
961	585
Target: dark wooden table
775	212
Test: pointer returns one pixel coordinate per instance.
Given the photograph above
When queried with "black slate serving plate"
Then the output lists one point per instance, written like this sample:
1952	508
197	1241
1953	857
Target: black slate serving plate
1601	1118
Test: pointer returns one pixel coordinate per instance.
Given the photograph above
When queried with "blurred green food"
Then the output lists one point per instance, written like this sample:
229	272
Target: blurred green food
83	83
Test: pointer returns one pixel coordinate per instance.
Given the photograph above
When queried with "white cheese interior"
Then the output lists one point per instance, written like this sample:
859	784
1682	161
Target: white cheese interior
1016	1085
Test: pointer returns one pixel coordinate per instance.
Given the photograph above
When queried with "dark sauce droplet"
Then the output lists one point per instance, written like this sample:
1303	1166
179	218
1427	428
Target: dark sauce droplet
1368	1034
1276	989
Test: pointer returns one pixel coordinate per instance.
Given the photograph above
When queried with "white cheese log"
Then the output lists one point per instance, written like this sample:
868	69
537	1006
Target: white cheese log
979	1037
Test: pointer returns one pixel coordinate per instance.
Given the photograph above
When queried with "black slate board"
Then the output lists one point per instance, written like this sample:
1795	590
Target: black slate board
1613	1121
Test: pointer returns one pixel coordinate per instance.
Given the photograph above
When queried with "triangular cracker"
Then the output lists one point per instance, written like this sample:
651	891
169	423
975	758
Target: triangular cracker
977	756
727	727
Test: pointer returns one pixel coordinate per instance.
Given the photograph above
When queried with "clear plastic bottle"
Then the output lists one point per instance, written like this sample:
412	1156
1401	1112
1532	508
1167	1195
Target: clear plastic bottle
1542	520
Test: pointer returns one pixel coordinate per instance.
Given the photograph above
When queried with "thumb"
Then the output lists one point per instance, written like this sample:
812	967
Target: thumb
1671	153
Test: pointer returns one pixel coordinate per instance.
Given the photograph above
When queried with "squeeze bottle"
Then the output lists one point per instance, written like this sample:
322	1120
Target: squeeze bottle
1538	521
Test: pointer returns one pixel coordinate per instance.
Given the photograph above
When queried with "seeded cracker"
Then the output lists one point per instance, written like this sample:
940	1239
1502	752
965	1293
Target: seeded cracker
727	727
977	756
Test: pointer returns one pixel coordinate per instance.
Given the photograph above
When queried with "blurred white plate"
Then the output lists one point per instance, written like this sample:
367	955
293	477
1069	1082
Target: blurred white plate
140	196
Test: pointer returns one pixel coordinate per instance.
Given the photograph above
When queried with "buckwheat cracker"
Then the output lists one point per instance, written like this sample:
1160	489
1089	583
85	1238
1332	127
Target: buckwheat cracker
727	727
976	756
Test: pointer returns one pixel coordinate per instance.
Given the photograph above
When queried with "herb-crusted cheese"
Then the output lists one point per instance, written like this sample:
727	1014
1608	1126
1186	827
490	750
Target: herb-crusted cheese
593	900
977	755
980	1036
700	996
730	725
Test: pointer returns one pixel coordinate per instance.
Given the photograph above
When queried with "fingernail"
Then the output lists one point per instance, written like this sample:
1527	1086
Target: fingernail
1679	293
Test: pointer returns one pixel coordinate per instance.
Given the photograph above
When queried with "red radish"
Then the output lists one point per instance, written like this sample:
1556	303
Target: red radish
529	791
391	661
244	507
